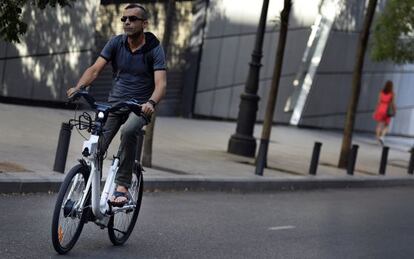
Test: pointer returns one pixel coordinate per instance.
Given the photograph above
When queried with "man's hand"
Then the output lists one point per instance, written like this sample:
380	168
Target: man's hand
147	108
71	91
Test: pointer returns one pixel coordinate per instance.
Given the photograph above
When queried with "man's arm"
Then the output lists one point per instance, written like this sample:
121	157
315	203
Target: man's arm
160	78
90	74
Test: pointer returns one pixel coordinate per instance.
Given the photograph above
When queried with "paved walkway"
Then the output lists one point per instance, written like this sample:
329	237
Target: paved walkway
192	154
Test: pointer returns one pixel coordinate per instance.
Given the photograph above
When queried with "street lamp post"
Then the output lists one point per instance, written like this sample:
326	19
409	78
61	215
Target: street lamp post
242	142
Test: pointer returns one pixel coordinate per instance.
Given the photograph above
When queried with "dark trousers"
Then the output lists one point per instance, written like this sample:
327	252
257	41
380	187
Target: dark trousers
129	140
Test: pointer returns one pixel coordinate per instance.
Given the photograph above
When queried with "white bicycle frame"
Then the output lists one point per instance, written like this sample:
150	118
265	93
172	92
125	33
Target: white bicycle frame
100	206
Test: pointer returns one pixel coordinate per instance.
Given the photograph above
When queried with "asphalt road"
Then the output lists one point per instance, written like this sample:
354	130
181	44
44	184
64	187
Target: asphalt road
355	223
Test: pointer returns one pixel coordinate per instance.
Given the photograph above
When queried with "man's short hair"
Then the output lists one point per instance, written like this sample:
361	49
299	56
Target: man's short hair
144	11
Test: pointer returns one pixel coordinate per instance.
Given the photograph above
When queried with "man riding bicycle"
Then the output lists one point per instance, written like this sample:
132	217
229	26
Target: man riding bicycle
139	72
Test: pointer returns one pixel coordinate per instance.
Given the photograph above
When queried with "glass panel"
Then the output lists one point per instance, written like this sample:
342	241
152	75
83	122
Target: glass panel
311	59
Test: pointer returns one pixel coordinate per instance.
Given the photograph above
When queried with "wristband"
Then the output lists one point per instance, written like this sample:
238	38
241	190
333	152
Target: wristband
152	102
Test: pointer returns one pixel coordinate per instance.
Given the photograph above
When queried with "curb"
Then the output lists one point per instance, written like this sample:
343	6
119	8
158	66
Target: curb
249	185
222	185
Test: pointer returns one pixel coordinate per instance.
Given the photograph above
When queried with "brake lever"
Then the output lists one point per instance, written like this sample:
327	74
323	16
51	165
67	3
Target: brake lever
143	115
146	117
132	104
72	99
75	96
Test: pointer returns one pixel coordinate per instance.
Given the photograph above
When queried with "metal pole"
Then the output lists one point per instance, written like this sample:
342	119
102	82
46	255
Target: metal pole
411	165
242	142
352	159
315	158
62	147
384	158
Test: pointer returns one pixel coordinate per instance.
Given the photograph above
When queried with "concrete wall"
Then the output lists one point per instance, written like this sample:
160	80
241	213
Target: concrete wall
228	44
55	50
329	98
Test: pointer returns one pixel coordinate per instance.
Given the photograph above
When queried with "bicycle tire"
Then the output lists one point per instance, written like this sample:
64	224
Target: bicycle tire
112	228
62	206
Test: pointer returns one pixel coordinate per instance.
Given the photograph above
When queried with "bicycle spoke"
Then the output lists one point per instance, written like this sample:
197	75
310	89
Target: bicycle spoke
69	224
122	219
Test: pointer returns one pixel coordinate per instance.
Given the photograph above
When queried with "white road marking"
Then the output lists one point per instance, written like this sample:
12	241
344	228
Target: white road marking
282	227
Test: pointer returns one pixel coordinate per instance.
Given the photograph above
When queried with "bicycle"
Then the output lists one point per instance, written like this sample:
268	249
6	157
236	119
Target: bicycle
79	200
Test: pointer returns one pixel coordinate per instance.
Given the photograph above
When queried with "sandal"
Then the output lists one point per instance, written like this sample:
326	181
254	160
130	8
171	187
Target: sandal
116	195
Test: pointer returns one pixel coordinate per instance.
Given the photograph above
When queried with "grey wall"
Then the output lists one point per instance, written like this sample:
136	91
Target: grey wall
228	44
52	54
226	53
331	90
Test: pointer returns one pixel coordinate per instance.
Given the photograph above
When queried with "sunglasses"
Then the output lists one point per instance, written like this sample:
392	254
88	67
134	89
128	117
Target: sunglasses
131	18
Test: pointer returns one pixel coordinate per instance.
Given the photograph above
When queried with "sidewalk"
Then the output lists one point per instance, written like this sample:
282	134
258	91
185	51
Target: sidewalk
191	154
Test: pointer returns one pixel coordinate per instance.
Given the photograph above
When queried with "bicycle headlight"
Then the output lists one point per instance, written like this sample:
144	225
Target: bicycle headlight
101	115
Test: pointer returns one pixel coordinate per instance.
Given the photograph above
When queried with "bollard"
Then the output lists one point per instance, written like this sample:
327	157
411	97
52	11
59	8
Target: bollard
411	164
140	141
62	147
384	158
261	160
352	159
315	158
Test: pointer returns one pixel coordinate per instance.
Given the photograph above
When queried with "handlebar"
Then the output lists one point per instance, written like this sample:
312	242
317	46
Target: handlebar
131	104
83	93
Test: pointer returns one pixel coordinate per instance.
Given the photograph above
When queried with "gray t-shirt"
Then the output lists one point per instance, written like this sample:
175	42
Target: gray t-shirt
133	73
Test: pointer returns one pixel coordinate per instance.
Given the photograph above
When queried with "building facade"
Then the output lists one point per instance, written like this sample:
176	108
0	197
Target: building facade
208	59
227	48
58	44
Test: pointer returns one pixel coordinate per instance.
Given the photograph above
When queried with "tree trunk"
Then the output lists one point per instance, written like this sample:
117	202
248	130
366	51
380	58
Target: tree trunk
149	130
261	161
356	85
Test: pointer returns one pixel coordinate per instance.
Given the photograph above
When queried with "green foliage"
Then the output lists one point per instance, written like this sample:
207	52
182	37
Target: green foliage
11	24
393	35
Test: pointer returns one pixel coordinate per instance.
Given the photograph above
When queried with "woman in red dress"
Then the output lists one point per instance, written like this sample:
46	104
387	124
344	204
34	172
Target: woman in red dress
384	111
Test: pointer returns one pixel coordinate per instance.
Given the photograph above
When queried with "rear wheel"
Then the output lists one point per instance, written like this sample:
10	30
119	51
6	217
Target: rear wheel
68	218
122	223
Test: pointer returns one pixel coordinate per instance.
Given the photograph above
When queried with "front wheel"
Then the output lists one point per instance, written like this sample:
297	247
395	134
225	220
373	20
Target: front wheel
68	218
122	223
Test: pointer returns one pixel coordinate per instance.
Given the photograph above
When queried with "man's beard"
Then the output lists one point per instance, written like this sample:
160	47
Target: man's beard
135	34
